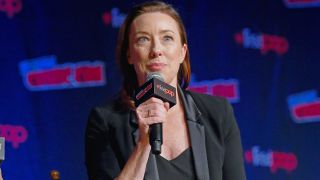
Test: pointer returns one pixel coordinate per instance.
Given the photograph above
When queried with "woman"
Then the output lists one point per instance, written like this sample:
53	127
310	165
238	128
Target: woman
201	139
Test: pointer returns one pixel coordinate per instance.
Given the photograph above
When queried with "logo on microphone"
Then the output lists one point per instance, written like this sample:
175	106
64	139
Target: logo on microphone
14	134
304	106
165	90
225	88
143	91
11	7
113	17
274	160
264	42
44	73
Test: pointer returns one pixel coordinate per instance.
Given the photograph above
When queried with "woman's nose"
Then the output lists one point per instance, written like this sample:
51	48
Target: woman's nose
156	50
156	53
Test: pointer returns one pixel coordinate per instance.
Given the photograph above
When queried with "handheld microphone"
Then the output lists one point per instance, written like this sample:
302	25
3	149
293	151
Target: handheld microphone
155	87
2	146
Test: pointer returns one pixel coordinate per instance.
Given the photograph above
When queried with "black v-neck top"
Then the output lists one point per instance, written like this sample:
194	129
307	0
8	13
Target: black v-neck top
181	167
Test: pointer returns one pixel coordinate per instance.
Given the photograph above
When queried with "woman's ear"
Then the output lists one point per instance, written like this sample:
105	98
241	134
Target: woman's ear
183	52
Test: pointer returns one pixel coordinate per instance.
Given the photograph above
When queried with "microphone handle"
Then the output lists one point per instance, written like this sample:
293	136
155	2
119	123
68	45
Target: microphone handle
155	138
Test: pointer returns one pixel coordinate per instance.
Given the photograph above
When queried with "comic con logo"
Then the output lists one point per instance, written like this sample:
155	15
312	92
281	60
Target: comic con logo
302	3
264	42
113	18
15	135
304	106
144	91
44	73
274	160
228	88
10	7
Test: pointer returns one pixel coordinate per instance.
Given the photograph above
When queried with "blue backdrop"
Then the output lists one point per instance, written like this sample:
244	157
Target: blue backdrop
57	61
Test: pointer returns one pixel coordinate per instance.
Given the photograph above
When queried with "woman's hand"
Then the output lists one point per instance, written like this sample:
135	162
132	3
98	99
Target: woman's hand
150	112
1	175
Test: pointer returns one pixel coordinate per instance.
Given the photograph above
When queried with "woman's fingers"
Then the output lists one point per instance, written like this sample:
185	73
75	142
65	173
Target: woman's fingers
167	106
152	111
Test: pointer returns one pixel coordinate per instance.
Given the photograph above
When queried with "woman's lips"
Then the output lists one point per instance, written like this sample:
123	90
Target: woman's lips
156	66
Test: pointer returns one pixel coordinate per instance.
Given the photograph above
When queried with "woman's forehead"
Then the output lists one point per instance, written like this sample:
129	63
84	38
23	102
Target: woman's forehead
154	21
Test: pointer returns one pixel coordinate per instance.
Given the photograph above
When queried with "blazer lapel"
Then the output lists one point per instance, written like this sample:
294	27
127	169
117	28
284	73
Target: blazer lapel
151	168
199	152
197	136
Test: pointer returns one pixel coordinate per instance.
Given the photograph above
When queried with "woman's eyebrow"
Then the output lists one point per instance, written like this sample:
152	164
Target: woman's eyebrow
166	31
140	32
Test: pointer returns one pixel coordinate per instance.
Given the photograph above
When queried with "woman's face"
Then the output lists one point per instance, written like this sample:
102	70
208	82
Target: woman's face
155	46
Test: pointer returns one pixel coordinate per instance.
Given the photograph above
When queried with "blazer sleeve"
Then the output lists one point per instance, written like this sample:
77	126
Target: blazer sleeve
100	159
233	167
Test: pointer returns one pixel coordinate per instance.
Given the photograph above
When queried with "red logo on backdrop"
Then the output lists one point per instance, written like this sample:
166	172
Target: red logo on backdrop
11	7
305	106
14	134
264	42
113	17
274	160
302	3
44	74
224	88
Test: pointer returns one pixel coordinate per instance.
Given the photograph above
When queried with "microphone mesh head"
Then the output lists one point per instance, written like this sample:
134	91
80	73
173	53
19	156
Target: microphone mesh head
154	75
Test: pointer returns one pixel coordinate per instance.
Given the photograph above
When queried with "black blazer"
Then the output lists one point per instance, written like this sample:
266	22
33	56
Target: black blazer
112	133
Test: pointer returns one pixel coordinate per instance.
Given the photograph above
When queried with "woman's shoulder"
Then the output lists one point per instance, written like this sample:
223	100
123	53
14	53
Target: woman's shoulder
213	106
217	109
109	111
107	107
208	100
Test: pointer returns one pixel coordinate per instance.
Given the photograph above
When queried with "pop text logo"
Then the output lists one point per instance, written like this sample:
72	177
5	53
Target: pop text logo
10	7
264	42
14	134
165	90
272	159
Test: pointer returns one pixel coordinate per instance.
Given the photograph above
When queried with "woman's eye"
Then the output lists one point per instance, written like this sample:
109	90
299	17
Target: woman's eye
168	38
142	40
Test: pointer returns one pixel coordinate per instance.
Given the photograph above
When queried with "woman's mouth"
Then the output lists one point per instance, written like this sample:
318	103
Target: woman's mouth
156	66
